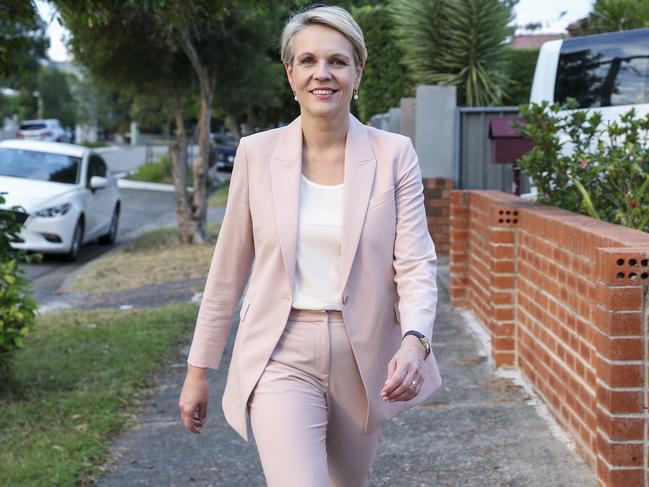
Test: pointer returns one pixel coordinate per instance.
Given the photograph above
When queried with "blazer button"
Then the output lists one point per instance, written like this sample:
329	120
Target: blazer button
345	299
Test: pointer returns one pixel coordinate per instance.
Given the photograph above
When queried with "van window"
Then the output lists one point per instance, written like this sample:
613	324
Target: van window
604	70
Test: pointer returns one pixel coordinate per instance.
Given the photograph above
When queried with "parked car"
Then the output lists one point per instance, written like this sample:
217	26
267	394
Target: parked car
223	149
47	129
605	72
67	195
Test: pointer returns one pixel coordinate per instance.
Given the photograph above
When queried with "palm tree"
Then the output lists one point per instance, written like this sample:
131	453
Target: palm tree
614	15
456	42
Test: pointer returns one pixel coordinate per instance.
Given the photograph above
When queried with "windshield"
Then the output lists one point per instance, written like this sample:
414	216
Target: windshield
42	166
32	126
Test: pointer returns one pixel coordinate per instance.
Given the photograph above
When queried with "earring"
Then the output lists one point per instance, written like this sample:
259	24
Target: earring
355	94
294	96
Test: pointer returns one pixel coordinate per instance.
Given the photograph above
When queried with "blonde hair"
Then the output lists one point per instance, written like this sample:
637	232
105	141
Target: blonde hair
335	17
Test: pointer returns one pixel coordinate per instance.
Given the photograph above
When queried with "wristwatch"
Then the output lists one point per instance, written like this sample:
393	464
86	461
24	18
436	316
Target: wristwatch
422	338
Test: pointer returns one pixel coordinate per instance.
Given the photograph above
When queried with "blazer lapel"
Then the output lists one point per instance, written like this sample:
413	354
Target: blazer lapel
285	172
360	165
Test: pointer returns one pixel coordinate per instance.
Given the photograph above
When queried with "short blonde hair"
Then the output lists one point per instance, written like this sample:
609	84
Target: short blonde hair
335	17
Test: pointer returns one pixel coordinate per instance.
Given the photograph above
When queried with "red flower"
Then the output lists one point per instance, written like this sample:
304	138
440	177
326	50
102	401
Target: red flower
633	204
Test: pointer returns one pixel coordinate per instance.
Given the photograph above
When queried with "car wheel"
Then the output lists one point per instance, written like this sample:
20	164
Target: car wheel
111	236
77	241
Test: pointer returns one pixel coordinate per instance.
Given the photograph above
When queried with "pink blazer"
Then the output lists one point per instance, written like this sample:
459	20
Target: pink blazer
388	264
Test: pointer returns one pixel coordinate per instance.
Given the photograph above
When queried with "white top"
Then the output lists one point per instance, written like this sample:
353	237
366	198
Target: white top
319	244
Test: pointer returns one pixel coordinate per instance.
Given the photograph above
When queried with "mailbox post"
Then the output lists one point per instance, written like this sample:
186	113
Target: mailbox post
508	145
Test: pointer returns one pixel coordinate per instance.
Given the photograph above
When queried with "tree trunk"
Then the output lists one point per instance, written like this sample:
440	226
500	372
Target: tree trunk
179	170
251	113
200	165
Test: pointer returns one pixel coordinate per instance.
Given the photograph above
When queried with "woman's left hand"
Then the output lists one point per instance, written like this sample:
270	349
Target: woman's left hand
404	368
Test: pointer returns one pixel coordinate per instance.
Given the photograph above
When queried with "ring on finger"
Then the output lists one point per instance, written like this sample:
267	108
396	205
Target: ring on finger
413	385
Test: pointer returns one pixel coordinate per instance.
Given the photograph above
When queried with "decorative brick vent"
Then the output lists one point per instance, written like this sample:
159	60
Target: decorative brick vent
508	217
633	269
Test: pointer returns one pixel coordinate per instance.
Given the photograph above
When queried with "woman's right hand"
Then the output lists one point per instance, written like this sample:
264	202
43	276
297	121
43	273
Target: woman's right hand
193	399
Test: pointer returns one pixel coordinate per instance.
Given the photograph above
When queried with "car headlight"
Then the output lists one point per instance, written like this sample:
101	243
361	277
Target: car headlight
54	211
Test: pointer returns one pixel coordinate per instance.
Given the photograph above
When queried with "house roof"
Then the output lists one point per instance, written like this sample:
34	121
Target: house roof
533	41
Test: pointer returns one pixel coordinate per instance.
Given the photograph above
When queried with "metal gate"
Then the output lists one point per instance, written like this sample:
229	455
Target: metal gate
472	167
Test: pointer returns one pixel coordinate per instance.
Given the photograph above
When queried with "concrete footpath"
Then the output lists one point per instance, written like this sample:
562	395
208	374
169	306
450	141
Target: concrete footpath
479	429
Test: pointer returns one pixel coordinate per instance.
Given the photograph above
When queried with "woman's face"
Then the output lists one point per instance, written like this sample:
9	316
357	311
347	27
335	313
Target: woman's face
324	74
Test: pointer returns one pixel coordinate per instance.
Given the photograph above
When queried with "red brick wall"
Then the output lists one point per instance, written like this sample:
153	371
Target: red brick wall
437	199
564	298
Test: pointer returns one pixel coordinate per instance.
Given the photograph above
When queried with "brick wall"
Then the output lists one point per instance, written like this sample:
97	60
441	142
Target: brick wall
564	298
437	199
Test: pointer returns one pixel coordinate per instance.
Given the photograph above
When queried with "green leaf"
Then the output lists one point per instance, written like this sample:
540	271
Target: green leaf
588	204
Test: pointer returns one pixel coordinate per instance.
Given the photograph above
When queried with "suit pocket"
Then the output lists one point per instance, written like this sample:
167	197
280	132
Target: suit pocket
381	198
397	316
244	311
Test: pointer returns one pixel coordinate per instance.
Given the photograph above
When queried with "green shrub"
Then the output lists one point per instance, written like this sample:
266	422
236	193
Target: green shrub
582	165
520	69
385	81
94	145
154	172
17	309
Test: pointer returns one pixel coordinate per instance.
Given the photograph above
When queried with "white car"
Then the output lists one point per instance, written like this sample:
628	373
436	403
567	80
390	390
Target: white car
47	129
68	195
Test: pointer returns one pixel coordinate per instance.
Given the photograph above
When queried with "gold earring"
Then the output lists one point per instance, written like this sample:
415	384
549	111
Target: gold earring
355	94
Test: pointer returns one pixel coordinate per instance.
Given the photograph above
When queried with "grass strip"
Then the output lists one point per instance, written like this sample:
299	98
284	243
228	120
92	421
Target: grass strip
155	258
220	197
155	172
77	382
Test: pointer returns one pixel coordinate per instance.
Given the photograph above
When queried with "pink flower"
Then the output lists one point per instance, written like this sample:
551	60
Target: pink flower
583	164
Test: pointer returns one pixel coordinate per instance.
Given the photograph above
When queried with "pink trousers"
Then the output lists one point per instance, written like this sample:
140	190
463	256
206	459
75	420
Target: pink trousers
306	409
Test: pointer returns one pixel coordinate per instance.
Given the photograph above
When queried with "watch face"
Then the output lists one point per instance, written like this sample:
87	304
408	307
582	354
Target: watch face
426	344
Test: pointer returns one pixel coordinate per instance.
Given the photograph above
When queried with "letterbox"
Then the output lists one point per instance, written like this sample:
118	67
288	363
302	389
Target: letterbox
507	143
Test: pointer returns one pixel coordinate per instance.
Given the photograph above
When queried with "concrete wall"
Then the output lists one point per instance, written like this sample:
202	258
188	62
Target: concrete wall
408	109
394	120
379	121
435	130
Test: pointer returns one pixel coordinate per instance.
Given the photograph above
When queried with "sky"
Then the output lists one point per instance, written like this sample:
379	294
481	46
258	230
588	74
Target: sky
549	12
56	33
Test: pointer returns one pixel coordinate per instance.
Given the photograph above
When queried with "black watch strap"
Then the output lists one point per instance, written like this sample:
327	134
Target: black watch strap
422	338
415	333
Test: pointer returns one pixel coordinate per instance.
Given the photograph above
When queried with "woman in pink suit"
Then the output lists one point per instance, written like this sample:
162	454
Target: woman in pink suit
333	337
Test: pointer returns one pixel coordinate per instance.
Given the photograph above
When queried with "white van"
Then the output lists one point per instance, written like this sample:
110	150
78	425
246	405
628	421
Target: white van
607	72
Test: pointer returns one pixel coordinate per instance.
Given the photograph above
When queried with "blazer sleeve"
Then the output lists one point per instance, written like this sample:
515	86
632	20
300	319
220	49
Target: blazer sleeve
229	271
415	260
